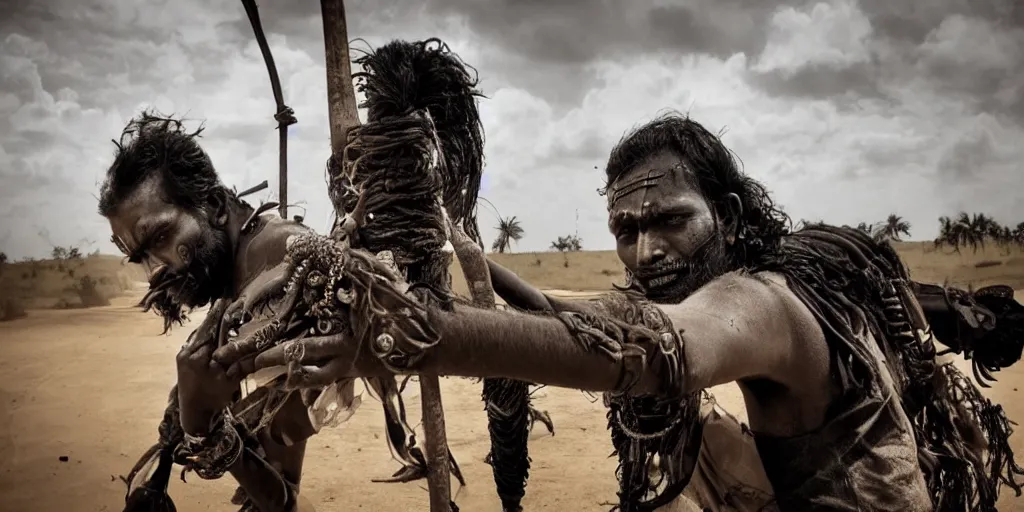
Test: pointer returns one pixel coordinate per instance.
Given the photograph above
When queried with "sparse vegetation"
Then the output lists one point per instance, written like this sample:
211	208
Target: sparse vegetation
975	230
509	231
70	280
892	229
568	243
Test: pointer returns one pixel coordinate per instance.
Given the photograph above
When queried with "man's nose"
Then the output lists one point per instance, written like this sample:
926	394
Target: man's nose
154	268
650	250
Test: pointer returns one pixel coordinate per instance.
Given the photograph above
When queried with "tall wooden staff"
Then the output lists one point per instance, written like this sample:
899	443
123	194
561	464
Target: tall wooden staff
343	117
285	116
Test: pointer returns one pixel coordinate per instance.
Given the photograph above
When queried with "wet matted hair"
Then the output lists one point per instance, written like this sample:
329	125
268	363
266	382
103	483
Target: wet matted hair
155	144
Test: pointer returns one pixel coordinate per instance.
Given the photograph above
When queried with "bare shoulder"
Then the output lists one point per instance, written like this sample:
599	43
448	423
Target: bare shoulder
266	249
273	237
278	230
747	326
765	292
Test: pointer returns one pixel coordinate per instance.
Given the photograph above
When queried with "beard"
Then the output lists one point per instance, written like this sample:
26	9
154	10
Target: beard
173	294
672	281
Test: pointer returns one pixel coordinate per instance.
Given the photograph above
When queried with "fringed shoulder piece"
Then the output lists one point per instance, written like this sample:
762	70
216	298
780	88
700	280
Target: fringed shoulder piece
852	284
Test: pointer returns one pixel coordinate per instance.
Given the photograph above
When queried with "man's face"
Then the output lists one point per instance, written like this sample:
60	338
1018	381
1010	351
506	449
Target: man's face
185	256
666	233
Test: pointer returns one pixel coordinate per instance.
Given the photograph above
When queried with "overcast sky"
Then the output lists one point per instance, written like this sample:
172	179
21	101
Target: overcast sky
846	110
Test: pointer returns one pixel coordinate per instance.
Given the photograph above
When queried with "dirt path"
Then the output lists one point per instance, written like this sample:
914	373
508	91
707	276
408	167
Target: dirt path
91	385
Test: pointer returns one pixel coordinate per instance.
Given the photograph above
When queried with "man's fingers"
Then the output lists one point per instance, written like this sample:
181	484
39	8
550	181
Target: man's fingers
307	376
304	351
243	367
201	353
229	319
233	351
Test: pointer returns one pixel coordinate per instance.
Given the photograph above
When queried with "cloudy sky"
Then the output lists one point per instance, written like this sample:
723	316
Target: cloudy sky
848	110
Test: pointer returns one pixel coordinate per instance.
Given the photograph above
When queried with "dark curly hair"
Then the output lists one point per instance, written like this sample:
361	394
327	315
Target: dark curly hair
154	144
717	174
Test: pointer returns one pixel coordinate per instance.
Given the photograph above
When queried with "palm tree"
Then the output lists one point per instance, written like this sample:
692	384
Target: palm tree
893	227
964	231
981	227
1004	238
1017	235
509	231
946	236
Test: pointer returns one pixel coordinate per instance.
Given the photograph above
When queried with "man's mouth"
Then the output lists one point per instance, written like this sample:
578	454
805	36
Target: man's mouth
663	274
663	280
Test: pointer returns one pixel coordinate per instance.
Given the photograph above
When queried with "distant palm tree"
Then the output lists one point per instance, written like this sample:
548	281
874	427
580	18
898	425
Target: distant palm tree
963	231
946	234
509	231
893	227
1017	235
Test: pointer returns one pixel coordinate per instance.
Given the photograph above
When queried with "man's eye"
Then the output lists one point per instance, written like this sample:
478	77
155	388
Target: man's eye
677	220
626	234
158	240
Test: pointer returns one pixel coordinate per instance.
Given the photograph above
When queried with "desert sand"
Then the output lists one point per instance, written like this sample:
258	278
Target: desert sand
90	385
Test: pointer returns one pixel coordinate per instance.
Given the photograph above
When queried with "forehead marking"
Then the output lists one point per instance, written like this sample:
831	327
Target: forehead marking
643	183
640	184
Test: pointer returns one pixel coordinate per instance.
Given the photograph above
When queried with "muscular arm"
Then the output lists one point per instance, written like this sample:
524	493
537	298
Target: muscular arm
738	327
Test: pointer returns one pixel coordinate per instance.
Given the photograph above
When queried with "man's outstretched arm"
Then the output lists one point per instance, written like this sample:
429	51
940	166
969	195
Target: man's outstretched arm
738	327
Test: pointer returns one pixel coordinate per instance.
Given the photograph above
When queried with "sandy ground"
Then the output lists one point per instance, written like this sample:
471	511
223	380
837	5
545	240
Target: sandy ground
91	385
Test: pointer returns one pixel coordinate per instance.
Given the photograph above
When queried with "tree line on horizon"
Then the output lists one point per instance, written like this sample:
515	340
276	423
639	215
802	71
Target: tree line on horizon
962	231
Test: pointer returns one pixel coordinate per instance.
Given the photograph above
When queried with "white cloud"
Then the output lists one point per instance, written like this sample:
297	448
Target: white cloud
835	34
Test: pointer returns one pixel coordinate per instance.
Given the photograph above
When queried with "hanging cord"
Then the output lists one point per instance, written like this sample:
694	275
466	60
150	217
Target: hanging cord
285	116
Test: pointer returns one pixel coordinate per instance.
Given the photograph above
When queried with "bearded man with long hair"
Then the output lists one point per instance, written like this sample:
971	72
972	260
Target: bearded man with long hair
201	244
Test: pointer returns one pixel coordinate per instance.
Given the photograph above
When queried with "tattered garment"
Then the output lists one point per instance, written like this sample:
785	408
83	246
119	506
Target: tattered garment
901	435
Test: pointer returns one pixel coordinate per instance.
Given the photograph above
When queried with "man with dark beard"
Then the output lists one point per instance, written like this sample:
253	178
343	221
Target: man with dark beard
198	242
820	329
201	244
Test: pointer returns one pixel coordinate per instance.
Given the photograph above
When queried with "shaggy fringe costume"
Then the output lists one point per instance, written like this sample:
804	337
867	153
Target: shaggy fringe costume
399	79
852	285
649	429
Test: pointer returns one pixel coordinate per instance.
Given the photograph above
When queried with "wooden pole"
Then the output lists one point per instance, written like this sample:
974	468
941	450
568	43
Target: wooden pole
341	95
282	172
343	116
284	116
